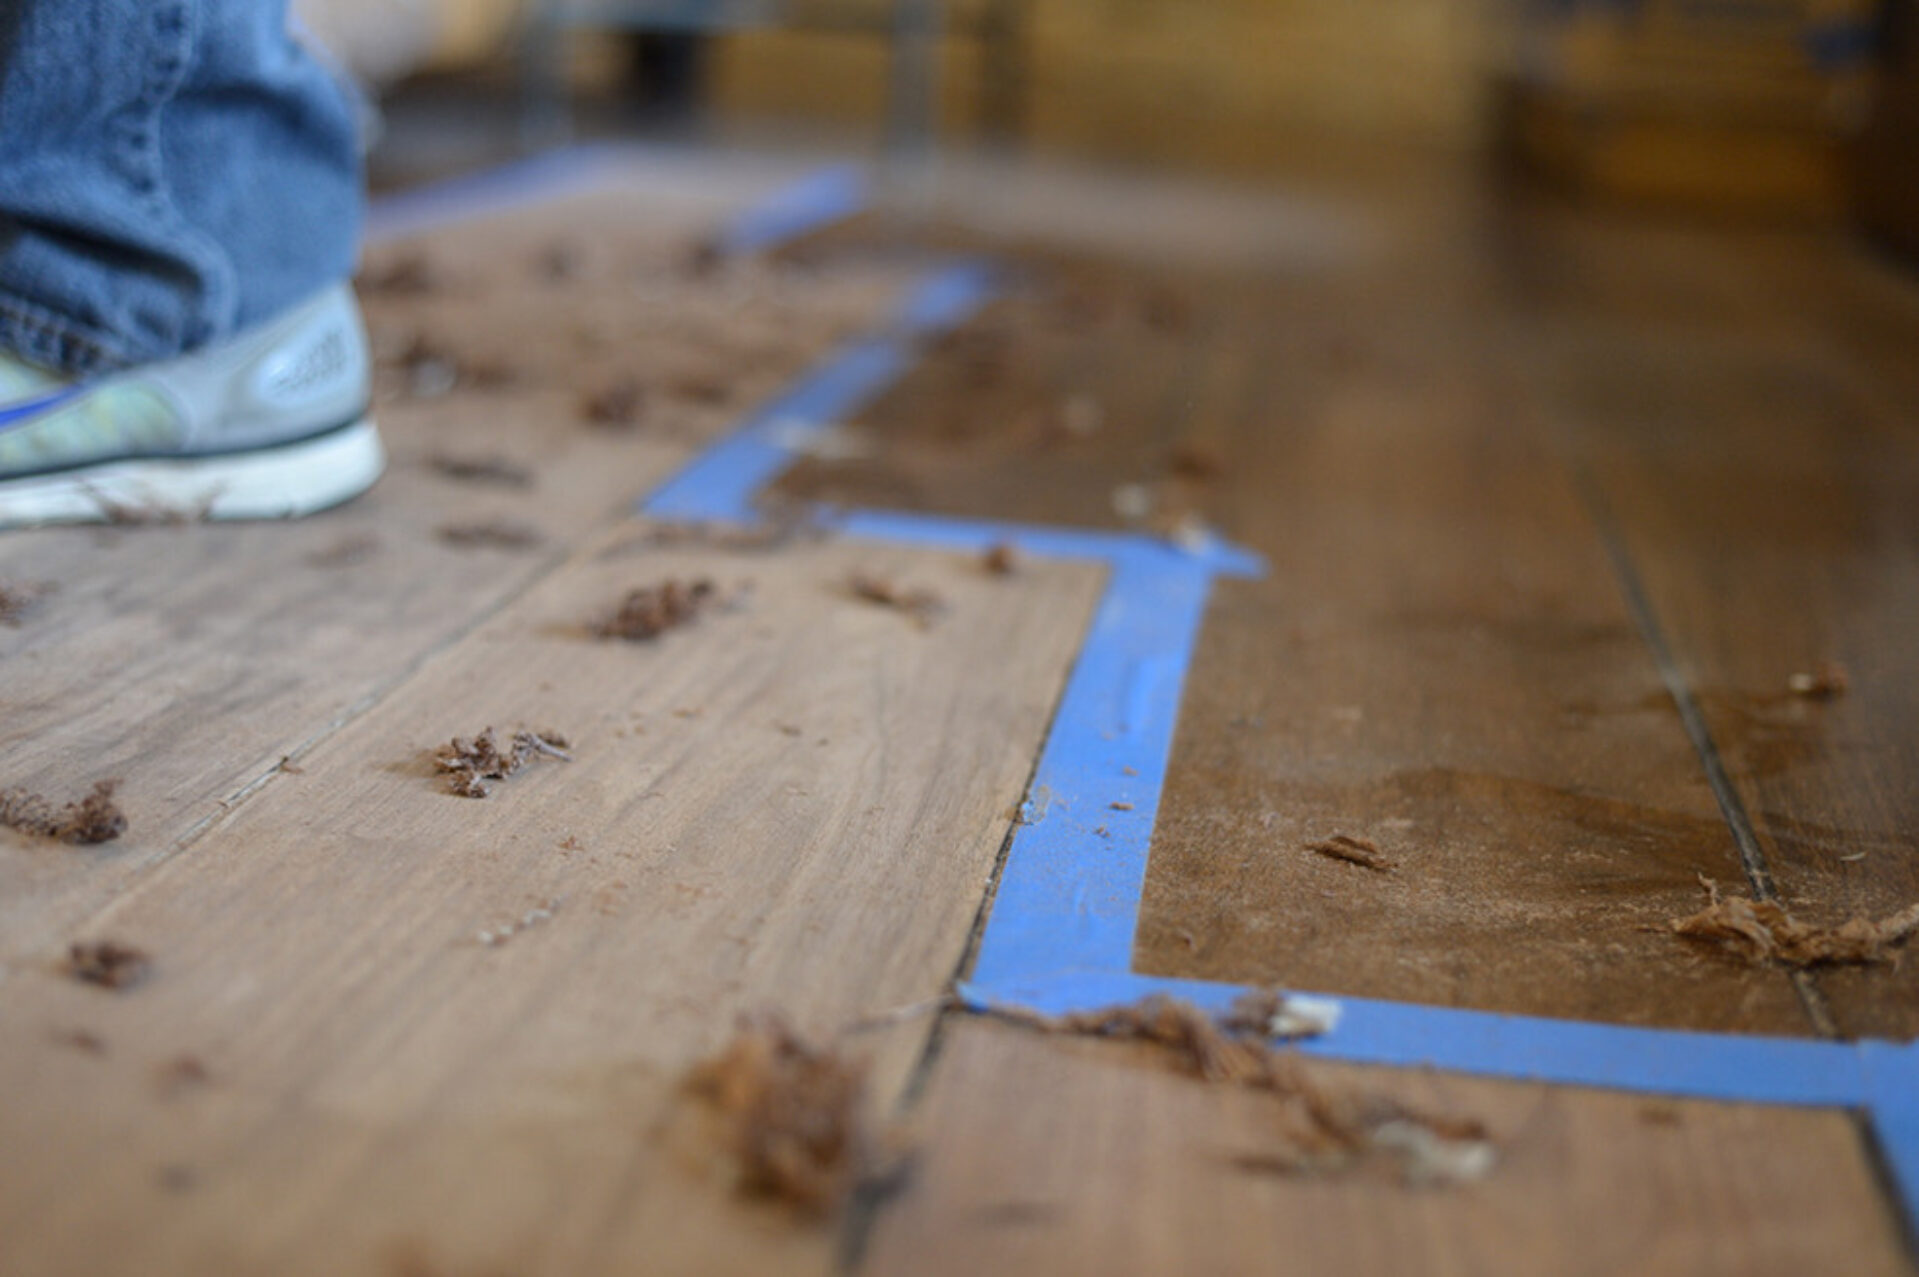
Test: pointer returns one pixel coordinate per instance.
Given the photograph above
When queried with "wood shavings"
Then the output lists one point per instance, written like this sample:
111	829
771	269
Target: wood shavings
619	403
355	548
652	610
923	606
1827	682
94	819
108	963
497	471
795	1114
1000	559
1319	1131
474	764
1196	462
494	937
1760	932
491	534
181	1074
1354	851
16	601
406	275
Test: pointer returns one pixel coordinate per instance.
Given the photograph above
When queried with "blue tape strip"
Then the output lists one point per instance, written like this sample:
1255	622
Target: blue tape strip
818	200
721	483
513	185
1713	1066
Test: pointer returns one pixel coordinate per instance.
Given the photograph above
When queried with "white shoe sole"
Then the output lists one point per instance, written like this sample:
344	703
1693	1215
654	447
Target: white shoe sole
270	483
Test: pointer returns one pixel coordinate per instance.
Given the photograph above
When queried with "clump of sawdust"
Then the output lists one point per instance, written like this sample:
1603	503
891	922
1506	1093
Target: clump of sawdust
921	605
94	819
1319	1131
18	600
491	534
474	764
795	1114
1000	559
1761	931
491	470
617	404
1827	682
652	610
108	963
408	274
354	548
1363	852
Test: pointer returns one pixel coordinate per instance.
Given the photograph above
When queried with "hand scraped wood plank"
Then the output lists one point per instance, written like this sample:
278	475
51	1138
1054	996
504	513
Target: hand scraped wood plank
188	660
794	801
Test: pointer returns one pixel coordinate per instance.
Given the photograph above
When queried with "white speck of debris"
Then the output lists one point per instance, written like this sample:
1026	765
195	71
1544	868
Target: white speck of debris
1300	1016
1132	501
1191	535
1429	1158
1857	855
494	937
432	378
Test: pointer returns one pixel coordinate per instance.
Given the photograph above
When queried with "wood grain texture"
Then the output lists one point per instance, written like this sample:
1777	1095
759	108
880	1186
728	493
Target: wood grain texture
1069	1157
795	801
188	661
1763	477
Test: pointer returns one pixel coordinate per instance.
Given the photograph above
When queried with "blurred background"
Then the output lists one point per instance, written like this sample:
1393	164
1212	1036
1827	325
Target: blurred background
1758	110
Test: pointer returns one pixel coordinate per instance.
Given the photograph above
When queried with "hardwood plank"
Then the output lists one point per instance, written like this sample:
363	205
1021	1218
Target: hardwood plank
1071	1156
1771	512
796	802
189	660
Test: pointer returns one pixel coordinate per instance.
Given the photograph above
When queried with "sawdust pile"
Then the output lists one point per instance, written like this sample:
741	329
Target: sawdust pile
1363	852
1000	559
1319	1131
108	963
1760	932
497	471
475	764
491	534
94	819
794	1114
619	403
923	606
18	600
652	610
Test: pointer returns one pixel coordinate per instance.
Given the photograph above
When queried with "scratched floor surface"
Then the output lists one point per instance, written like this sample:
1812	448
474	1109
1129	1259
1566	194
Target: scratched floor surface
1493	537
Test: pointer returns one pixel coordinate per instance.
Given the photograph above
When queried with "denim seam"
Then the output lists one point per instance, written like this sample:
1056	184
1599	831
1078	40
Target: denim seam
45	337
172	50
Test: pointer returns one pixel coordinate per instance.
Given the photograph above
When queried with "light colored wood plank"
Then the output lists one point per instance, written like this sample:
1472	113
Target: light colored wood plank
1045	1155
187	661
796	801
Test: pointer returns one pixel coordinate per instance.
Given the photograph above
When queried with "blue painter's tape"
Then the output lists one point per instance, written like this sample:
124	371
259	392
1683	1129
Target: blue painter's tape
545	176
815	201
721	483
1069	894
1711	1066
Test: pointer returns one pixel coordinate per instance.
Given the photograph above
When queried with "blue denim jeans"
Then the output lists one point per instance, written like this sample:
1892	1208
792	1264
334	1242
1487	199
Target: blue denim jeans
171	172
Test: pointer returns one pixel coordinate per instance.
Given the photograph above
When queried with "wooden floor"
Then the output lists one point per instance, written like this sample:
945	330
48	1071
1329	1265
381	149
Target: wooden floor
1526	484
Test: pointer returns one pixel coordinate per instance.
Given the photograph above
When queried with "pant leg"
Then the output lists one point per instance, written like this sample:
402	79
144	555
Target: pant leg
171	172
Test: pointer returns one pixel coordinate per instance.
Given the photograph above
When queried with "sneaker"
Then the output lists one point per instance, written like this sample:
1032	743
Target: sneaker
270	425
